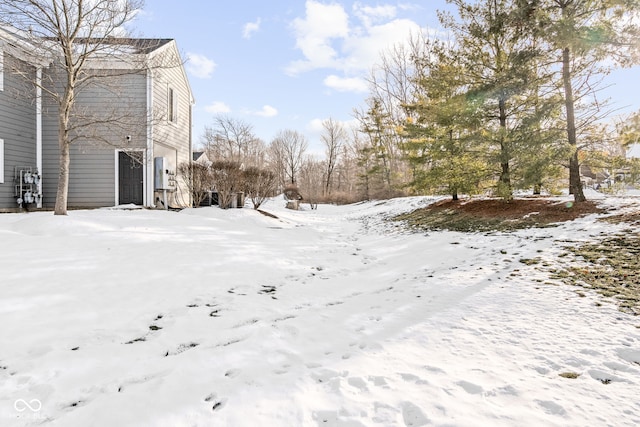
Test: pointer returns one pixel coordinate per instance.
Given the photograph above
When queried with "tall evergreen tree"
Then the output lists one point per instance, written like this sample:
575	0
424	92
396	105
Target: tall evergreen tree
500	64
442	141
586	38
378	127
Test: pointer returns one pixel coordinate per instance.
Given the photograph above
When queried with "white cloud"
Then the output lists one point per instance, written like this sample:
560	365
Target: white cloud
315	125
267	111
200	66
250	28
372	14
362	52
346	84
217	107
314	34
328	39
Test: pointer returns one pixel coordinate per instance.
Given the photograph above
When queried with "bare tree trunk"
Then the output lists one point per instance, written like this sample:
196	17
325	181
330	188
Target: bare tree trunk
63	178
333	138
63	144
575	185
505	174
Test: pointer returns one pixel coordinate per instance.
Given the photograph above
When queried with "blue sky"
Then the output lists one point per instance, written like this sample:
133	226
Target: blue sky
289	64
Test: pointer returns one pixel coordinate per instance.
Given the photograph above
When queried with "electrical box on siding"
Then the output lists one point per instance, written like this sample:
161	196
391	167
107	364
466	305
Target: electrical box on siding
161	177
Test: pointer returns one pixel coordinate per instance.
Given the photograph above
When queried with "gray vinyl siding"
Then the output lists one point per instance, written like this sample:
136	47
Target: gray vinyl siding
92	178
17	127
50	153
93	172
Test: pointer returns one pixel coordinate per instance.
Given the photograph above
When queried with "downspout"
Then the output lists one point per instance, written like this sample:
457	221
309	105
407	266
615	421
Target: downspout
149	163
39	133
190	160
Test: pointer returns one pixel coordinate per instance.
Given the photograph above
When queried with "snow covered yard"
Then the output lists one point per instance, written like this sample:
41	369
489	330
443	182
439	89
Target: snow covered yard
333	317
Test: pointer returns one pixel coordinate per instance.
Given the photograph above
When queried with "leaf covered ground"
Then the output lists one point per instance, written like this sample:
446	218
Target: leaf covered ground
609	267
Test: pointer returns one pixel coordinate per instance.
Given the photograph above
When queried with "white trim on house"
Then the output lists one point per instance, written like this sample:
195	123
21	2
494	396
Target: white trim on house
1	161
148	176
1	67
39	131
116	174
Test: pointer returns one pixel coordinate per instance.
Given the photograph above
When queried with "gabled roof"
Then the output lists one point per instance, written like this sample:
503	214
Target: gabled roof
17	43
137	46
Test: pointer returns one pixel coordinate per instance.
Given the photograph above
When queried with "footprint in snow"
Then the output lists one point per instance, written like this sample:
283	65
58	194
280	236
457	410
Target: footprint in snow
246	323
182	348
358	383
287	317
232	373
412	415
75	404
217	403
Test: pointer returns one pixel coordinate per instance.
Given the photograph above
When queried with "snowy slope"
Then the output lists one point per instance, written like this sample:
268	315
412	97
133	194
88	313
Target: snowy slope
330	317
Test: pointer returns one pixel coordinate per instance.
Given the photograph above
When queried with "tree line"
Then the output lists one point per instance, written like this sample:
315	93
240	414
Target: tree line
508	100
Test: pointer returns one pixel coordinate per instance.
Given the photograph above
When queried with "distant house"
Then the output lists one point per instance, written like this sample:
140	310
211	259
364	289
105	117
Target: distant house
130	157
633	151
201	158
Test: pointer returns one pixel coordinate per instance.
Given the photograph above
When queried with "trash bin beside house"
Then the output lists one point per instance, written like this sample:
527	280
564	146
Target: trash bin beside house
210	200
293	204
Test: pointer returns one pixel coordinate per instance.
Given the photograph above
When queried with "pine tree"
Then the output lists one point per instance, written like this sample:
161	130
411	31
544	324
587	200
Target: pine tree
442	143
500	63
584	38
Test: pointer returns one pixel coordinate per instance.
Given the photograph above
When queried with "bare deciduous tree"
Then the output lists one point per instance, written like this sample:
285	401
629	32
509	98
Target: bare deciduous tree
290	146
333	137
234	140
71	34
312	180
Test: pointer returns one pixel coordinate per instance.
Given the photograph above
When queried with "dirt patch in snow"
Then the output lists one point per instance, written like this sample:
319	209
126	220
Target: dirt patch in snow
496	214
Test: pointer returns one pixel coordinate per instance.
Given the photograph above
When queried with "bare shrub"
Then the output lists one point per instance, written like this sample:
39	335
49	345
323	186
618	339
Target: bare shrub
198	179
259	185
227	180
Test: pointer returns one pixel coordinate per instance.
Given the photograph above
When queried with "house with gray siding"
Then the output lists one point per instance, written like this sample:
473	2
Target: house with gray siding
20	124
137	129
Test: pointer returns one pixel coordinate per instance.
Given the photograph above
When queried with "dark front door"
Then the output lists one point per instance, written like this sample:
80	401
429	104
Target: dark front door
130	177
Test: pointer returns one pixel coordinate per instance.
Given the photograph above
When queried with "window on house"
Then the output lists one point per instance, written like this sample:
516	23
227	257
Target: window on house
172	106
1	161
